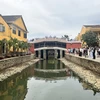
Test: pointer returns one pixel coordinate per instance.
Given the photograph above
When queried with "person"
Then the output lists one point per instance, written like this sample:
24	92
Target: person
90	52
85	52
99	51
80	52
94	51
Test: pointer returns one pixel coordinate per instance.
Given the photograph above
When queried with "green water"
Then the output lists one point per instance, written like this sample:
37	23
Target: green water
46	80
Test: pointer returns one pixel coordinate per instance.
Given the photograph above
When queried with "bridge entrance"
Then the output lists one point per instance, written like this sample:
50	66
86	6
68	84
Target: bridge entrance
49	53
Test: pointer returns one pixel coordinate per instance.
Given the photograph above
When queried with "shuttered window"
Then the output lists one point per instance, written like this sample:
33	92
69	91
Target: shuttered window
14	30
25	35
19	33
2	28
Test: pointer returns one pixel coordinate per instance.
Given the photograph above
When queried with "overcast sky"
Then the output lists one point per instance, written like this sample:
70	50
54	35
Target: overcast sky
53	17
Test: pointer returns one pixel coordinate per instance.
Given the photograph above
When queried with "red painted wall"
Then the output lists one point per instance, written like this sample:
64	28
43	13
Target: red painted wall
73	45
31	49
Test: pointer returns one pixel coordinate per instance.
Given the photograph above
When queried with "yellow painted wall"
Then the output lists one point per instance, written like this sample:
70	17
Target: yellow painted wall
21	38
83	31
20	23
7	32
86	29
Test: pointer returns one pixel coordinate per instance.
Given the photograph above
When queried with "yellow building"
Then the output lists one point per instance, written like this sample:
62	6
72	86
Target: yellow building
13	26
86	28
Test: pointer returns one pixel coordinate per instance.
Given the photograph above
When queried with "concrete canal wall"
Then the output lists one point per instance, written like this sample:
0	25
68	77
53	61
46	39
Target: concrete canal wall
84	62
9	62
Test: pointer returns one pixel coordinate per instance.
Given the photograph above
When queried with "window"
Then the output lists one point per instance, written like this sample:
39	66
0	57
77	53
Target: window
2	28
25	35
14	30
19	33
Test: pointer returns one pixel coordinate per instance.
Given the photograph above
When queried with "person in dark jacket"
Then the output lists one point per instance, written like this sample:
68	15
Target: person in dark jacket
94	50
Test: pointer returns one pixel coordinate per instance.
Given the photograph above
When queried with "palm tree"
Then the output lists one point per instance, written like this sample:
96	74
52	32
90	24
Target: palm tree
14	44
24	46
4	43
67	37
9	44
1	48
19	47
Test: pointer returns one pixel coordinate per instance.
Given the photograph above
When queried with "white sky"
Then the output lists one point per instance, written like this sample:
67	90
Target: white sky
53	17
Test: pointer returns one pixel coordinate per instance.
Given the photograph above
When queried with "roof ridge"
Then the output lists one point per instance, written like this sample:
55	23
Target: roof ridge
92	25
11	15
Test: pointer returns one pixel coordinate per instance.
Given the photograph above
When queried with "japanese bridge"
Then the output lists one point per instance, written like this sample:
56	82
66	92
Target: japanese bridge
52	47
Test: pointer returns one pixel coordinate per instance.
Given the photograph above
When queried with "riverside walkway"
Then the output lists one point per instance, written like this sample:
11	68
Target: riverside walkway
97	58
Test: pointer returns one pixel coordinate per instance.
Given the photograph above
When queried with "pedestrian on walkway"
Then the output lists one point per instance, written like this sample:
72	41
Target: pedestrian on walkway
80	52
94	51
90	52
99	51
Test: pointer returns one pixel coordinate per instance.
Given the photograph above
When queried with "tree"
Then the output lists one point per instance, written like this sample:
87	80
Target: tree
90	38
67	37
23	46
14	45
1	47
9	44
32	40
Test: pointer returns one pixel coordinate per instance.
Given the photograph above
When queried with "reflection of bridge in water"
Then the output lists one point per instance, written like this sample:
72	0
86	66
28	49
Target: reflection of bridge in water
51	68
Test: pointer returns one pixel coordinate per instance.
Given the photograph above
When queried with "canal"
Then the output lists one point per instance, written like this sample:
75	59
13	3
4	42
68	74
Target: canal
47	80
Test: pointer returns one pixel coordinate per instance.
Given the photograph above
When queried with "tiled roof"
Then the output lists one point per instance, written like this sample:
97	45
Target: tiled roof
52	40
49	39
96	26
11	18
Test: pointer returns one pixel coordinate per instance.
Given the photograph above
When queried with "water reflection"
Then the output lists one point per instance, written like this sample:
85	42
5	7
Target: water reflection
51	69
49	64
87	86
17	87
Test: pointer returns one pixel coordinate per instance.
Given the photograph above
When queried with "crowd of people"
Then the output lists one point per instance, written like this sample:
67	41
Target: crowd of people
91	52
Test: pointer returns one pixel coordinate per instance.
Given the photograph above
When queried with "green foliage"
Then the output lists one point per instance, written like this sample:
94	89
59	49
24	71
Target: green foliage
90	38
1	46
15	43
9	44
66	37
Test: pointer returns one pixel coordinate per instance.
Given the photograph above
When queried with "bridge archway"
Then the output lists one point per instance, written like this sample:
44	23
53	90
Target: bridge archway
50	53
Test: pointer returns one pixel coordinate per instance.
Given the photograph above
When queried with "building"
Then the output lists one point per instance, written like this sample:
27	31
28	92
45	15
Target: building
86	28
73	44
13	26
52	47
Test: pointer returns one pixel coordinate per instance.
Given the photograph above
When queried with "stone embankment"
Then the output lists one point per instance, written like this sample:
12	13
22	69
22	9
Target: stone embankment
91	64
13	61
16	69
88	76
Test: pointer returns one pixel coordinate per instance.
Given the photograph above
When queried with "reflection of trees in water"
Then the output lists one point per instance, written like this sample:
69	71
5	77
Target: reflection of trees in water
87	86
15	87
